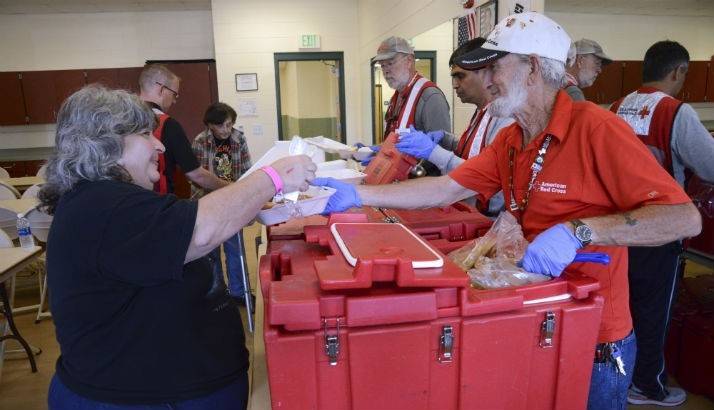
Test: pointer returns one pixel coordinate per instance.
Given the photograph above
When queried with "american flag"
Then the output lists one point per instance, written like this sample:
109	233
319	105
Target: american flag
468	28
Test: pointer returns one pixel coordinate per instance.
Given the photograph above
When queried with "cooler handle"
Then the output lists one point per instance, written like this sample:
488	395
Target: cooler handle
595	257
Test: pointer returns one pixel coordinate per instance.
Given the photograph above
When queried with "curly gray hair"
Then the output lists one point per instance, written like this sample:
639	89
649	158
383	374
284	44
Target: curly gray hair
91	126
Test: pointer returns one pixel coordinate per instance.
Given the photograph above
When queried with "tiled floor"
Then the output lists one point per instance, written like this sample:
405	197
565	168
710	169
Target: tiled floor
22	390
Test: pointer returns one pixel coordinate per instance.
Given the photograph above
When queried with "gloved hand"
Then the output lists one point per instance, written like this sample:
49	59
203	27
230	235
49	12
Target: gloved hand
551	251
419	144
344	198
366	160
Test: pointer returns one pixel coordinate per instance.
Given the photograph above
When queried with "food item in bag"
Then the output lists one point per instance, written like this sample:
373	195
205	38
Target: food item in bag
491	259
271	204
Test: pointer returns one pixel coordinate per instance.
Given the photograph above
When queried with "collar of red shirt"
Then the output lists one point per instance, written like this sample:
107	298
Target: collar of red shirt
557	126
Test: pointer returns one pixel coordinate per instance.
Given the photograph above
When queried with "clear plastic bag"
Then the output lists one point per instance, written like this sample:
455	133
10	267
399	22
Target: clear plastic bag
491	259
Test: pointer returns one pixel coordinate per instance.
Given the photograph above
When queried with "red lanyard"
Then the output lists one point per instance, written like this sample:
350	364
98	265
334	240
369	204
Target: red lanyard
535	170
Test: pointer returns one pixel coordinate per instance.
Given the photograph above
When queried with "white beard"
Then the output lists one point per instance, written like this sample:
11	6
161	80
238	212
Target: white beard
515	99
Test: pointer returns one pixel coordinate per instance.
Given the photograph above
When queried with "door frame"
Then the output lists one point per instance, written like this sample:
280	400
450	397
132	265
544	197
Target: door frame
312	56
431	55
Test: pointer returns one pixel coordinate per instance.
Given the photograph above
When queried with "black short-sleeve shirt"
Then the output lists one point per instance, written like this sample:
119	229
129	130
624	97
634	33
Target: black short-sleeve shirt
135	324
178	149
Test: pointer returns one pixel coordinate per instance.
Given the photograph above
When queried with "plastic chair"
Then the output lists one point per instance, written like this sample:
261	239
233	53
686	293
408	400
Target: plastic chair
8	222
8	191
42	171
32	191
40	223
3	173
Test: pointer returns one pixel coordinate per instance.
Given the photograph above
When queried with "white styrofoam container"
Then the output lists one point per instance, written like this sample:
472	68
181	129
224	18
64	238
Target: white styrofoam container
277	151
312	206
327	144
347	175
330	165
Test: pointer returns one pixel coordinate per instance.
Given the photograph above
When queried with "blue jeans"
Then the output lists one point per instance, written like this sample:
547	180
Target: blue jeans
232	249
232	397
608	387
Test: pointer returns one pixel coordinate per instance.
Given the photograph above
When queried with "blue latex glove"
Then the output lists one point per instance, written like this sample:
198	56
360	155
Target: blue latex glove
345	198
369	159
419	144
551	251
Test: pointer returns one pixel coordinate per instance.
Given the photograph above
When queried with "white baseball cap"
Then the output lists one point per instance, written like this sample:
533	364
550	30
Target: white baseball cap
522	33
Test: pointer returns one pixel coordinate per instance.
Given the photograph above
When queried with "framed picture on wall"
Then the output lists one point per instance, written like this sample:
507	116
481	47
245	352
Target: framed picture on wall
487	18
247	82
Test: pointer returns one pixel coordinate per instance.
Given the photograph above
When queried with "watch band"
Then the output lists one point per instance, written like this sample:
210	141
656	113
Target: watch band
583	232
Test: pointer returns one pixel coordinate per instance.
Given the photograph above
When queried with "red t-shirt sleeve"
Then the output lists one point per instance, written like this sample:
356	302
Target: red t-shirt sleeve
480	173
646	183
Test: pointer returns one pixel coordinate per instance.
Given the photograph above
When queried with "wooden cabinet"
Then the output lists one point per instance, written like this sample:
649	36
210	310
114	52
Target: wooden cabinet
12	103
16	169
608	85
129	78
108	77
44	92
631	76
695	84
710	81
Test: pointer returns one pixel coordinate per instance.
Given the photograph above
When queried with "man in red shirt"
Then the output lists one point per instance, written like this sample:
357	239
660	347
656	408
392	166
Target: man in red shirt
573	174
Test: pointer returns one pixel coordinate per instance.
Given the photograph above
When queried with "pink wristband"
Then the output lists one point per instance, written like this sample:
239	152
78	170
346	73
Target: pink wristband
273	174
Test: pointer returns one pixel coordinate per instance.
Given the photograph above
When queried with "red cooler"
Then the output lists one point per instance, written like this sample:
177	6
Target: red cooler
377	332
389	164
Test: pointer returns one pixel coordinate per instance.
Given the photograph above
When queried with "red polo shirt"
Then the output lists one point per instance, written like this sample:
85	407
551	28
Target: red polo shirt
594	166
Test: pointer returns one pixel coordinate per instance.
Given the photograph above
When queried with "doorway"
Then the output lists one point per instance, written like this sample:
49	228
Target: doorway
310	97
425	64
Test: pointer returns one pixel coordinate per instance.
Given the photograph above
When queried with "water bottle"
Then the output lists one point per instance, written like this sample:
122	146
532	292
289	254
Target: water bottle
24	233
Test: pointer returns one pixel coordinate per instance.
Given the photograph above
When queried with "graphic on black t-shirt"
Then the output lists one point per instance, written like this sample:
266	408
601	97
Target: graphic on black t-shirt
223	160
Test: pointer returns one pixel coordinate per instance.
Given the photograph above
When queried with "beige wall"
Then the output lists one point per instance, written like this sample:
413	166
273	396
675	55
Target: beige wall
30	42
102	40
247	33
627	37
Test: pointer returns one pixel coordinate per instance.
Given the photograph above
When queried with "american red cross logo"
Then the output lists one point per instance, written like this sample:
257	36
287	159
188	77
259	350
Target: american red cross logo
644	112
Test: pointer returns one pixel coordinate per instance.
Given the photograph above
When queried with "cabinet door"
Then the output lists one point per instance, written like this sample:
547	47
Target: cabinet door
39	90
608	85
67	82
16	169
695	84
12	103
32	166
710	81
46	90
129	78
108	77
631	76
195	96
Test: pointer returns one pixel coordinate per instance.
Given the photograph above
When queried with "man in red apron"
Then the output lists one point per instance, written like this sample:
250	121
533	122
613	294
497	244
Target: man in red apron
587	63
673	133
481	131
160	90
416	101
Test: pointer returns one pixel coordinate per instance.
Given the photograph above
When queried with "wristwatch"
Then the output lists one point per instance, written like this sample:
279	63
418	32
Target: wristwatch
582	232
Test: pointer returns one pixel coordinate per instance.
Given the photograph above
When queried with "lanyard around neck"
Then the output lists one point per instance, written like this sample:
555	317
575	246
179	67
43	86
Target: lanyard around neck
536	168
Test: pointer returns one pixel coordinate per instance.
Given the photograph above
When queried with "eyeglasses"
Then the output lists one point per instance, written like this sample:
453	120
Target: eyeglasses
387	64
175	93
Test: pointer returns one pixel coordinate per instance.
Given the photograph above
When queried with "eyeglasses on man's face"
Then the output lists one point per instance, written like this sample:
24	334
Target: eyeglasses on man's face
174	92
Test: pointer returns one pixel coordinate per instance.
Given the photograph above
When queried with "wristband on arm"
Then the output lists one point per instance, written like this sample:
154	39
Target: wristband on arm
277	181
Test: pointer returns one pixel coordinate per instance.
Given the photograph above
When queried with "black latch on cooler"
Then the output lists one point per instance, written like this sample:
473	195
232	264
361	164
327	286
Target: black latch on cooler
547	329
332	343
446	344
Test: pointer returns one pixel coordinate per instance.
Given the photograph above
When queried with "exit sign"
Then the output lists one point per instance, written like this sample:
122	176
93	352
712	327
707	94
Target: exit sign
309	41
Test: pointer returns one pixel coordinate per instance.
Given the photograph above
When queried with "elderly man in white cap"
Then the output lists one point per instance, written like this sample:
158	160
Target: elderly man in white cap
574	175
416	102
584	65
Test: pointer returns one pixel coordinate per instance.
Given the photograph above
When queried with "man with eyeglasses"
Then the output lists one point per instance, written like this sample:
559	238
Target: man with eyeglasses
416	101
480	132
585	62
160	89
673	133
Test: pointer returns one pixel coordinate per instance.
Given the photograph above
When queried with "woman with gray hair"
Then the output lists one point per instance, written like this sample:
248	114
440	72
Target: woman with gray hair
135	317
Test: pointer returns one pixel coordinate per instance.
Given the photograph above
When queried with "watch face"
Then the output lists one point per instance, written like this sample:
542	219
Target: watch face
583	233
